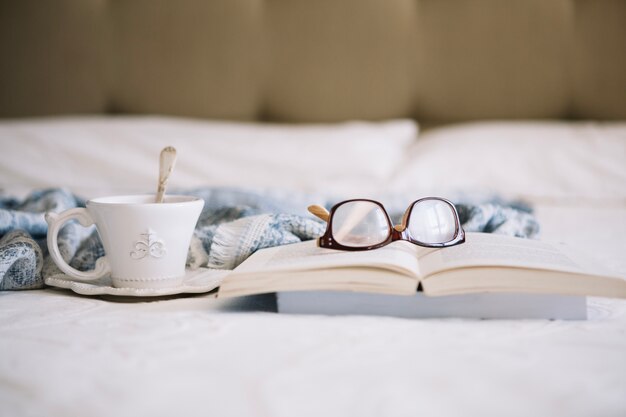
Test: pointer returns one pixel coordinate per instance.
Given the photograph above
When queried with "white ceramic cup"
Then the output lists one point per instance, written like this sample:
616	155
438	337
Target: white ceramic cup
145	243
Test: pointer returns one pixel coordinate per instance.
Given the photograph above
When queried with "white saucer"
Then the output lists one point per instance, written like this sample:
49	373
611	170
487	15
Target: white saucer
195	281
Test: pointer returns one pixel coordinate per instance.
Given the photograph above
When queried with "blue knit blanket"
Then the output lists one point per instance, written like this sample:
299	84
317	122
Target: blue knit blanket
233	224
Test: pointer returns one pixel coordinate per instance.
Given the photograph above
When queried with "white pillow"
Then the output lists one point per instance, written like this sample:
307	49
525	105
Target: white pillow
536	161
111	155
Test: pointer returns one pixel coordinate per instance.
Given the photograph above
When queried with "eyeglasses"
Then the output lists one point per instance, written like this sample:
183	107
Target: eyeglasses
362	224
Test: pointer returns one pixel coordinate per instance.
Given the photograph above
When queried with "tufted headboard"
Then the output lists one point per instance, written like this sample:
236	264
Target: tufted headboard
315	60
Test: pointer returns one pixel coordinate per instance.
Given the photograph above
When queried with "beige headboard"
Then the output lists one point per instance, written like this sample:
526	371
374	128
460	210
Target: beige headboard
315	60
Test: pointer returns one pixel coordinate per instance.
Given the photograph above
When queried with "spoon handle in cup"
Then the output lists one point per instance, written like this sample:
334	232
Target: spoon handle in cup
167	160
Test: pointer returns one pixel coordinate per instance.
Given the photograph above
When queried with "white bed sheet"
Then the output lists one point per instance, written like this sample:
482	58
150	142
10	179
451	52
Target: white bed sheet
66	355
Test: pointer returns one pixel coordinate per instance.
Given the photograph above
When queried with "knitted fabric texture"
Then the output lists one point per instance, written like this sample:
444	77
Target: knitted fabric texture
234	224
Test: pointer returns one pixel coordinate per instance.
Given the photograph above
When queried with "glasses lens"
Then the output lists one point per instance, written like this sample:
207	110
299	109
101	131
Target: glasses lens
360	224
432	221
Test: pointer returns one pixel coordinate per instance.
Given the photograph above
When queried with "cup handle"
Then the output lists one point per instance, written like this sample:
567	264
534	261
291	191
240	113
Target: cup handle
55	222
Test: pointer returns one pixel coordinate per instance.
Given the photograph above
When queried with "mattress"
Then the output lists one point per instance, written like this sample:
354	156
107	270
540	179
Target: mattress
63	355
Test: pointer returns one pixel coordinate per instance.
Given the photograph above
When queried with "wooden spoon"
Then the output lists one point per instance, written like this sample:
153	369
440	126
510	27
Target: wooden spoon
167	160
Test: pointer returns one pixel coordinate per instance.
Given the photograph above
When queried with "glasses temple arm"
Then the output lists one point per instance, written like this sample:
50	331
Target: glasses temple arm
319	211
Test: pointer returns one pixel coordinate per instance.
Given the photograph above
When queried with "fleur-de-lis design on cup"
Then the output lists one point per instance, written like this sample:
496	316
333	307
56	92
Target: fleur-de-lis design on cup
150	244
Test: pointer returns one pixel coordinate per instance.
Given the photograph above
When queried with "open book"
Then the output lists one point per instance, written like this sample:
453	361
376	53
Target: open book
484	263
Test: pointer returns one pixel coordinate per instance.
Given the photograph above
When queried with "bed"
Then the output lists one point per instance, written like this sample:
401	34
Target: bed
413	122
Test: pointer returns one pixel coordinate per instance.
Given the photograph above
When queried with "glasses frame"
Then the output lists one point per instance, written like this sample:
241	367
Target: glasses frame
397	232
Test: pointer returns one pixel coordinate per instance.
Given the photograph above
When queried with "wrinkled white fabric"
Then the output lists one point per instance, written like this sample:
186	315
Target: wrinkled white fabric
63	354
581	162
95	156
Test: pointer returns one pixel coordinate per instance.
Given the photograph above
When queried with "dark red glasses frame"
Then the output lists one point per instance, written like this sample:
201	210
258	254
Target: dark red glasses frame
398	232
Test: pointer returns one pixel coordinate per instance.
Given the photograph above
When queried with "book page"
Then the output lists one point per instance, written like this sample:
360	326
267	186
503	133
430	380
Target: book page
481	249
397	256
